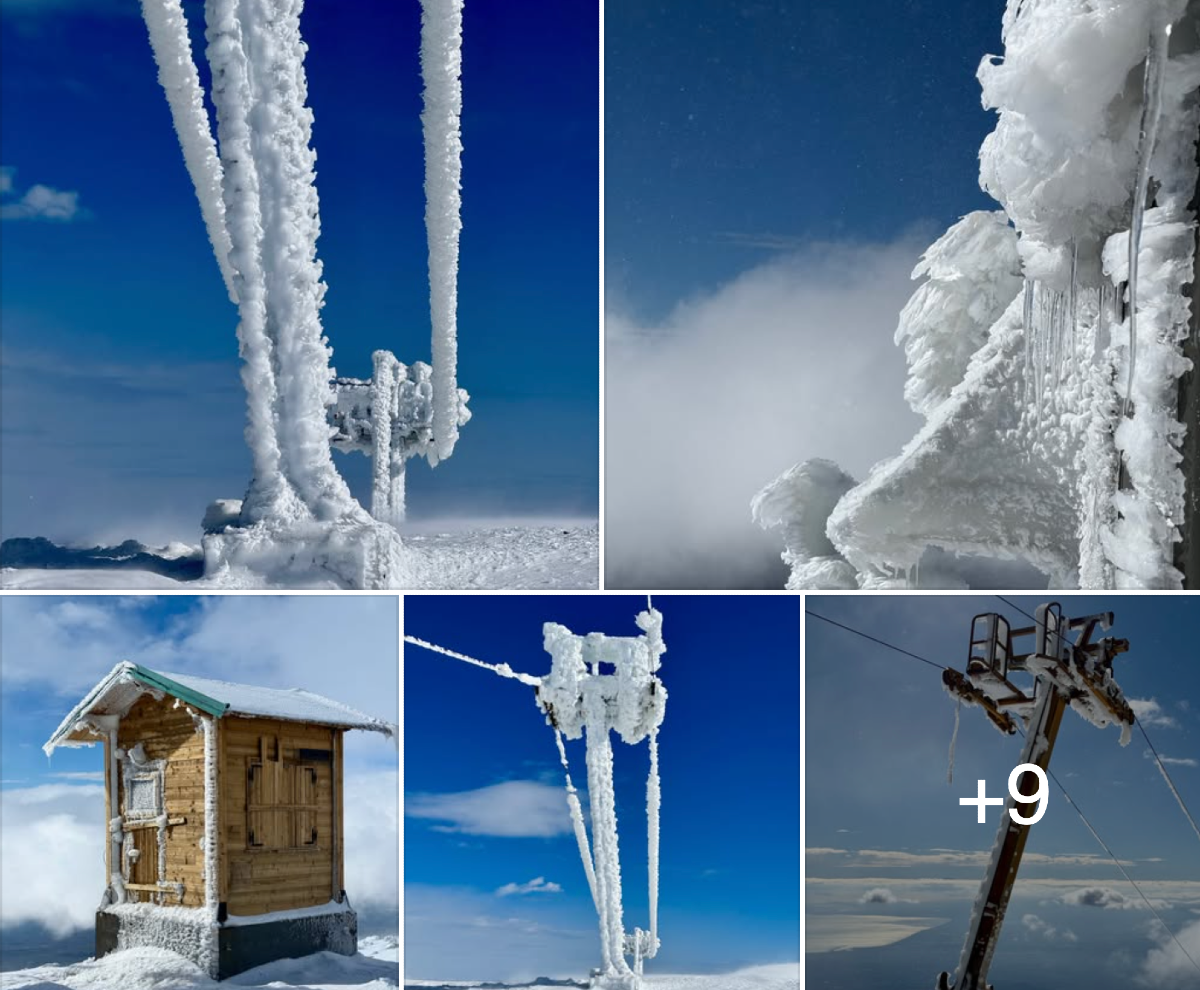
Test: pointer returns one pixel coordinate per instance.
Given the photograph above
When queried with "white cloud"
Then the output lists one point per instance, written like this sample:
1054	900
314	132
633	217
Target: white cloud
883	895
1044	929
511	809
1167	965
372	843
1175	761
792	360
1109	899
538	885
38	202
52	856
42	203
903	858
1150	713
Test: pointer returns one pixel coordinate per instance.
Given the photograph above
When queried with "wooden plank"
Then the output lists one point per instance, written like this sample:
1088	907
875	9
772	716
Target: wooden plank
152	823
338	870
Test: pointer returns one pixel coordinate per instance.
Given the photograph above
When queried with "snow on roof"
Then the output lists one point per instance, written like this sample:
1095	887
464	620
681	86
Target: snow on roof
126	682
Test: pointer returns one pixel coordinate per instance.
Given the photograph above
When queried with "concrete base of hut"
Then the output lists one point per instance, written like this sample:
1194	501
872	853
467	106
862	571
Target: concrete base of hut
232	946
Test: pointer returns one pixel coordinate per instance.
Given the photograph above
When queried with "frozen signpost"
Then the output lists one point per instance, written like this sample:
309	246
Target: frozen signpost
258	198
597	685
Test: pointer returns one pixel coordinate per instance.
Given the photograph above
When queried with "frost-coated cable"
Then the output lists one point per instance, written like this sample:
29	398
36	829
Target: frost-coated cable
503	669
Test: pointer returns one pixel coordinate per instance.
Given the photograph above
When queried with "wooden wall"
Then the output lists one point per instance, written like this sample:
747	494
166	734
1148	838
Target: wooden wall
278	873
169	734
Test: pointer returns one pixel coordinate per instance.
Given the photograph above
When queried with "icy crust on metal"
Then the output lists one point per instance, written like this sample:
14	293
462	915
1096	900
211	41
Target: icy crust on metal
299	525
602	684
577	692
1047	366
389	417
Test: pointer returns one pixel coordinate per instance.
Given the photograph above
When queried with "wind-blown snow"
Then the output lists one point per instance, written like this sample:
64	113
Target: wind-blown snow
441	68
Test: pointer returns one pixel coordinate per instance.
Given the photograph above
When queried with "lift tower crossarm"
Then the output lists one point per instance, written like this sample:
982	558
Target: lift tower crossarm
1065	675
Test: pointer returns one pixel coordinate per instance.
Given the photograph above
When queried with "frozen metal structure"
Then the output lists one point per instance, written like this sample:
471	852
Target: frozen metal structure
1070	669
1053	347
255	182
598	685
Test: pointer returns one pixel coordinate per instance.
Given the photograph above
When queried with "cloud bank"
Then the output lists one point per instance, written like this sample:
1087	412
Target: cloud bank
514	808
792	360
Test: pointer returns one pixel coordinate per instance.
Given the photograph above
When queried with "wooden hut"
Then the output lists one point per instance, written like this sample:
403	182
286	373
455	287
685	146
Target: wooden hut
224	811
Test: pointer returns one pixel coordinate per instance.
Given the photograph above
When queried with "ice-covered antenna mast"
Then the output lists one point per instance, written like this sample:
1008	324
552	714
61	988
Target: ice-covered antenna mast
599	684
1066	674
256	187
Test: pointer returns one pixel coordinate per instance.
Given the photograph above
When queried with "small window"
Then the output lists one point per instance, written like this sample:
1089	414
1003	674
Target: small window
281	805
142	796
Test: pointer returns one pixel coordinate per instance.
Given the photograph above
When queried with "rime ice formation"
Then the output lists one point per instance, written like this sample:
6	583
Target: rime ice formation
580	699
598	685
1024	341
260	206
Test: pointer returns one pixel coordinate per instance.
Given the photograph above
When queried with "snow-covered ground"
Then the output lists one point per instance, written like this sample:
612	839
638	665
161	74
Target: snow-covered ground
783	976
512	555
374	968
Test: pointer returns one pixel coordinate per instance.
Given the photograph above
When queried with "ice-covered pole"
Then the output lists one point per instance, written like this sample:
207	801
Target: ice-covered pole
181	82
441	67
240	189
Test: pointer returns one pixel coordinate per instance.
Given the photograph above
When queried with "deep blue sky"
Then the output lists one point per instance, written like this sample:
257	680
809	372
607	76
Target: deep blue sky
729	759
120	360
730	125
880	814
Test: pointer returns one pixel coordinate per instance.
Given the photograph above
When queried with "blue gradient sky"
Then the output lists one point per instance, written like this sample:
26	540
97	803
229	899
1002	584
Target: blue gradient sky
735	131
880	814
729	758
122	404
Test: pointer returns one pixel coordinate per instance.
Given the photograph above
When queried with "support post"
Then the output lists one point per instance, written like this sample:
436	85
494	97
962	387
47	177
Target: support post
1009	847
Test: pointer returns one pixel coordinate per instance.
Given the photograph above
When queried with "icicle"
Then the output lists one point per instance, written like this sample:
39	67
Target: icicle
953	742
441	67
1156	63
1028	322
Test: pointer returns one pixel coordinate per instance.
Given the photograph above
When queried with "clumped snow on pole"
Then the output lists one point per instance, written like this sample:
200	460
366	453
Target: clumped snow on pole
441	69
